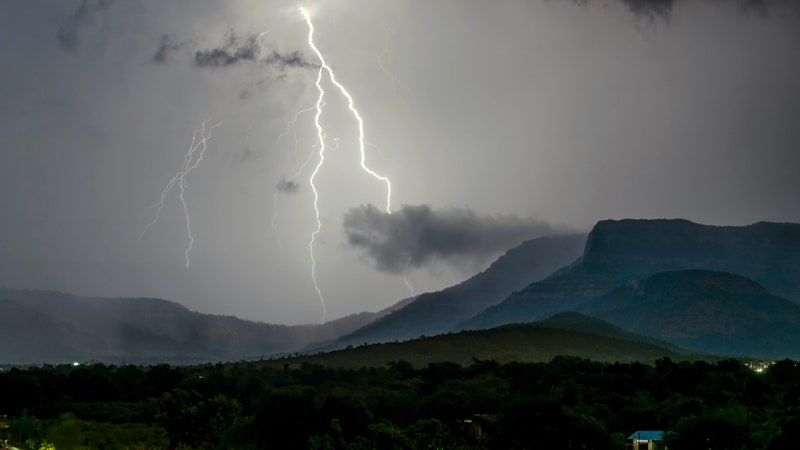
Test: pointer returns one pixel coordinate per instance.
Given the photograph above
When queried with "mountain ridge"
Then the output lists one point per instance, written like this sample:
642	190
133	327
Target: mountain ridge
617	252
439	312
717	312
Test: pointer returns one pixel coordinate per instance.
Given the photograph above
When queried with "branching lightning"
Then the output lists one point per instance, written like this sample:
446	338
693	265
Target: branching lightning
194	155
326	69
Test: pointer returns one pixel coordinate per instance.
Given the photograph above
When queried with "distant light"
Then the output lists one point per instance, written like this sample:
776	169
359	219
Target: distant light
75	363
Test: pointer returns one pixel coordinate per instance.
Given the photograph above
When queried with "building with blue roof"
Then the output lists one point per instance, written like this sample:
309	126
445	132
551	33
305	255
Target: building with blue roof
647	440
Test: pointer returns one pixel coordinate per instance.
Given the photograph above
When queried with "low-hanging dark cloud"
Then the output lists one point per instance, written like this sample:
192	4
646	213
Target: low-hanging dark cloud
237	49
293	59
166	46
287	186
68	35
418	235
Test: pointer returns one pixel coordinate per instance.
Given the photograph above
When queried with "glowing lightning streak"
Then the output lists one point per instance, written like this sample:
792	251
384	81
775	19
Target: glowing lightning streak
324	67
321	140
199	146
409	286
350	106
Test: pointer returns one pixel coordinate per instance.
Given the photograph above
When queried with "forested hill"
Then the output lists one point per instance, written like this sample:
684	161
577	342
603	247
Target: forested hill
484	405
533	342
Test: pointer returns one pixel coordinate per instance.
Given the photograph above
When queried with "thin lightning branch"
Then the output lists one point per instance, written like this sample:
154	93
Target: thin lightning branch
198	146
321	140
409	286
291	129
382	54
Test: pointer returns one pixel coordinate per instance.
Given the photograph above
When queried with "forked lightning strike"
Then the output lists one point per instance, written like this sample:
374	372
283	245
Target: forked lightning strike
194	155
325	68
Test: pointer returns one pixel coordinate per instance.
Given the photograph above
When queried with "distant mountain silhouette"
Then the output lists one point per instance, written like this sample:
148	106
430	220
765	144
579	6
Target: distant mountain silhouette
620	251
53	327
710	311
438	312
722	290
29	337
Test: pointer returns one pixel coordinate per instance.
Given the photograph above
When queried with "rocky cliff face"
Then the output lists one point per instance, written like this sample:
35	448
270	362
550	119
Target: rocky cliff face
769	253
620	251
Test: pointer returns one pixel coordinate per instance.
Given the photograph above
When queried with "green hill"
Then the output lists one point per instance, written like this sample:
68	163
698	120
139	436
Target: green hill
519	342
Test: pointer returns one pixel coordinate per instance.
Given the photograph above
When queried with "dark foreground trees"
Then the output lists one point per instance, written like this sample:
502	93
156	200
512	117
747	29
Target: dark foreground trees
568	403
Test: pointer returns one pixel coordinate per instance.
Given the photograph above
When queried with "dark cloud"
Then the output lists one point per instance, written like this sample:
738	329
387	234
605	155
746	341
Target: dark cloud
68	35
287	186
238	50
234	51
652	10
165	47
294	59
418	235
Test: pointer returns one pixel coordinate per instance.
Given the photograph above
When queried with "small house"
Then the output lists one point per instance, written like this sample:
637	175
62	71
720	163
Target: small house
647	440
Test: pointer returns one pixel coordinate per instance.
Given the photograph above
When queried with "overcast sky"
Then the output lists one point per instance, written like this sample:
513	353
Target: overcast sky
494	122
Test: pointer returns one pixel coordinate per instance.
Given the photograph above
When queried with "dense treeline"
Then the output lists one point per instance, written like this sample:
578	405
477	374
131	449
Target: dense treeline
569	403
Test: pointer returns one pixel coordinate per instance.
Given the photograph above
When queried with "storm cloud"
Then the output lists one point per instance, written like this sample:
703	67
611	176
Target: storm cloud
418	235
287	186
68	35
237	49
165	47
293	59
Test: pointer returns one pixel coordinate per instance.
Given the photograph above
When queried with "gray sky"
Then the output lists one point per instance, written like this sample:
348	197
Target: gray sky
487	118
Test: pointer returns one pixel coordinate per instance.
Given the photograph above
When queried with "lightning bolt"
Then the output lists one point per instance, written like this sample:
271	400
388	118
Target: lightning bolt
350	105
194	155
326	69
409	286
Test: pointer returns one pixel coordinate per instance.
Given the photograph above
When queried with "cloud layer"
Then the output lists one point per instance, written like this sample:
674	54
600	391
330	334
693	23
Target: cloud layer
417	235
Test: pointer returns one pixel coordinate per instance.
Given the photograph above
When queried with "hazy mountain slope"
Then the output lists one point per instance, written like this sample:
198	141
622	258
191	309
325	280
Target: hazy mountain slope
626	250
711	311
438	312
28	336
522	342
146	330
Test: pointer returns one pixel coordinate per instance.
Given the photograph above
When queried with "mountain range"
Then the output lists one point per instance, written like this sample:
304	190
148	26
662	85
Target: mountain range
673	285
